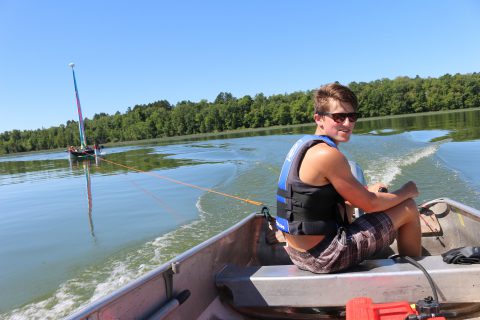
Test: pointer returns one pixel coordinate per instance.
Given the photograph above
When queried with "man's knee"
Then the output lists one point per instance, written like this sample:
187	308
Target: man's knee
412	210
404	213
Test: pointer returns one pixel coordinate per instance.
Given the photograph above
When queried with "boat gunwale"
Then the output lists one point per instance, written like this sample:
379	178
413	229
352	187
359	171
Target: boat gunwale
470	211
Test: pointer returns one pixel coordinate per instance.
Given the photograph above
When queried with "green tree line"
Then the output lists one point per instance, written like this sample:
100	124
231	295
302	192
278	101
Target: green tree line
402	95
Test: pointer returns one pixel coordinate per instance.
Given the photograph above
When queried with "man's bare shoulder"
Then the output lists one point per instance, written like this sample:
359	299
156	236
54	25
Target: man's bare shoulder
324	153
319	162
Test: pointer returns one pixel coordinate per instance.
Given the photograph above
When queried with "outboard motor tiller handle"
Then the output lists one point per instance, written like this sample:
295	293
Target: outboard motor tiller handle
358	174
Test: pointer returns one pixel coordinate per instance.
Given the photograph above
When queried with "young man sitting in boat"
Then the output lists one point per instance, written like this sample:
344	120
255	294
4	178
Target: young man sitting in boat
317	193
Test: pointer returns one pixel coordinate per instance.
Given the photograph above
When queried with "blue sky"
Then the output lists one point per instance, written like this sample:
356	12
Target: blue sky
136	52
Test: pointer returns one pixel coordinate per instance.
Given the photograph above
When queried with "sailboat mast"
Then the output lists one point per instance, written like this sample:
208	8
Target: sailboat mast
81	128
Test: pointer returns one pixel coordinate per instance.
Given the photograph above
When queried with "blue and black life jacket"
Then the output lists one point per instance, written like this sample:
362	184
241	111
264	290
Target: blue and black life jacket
304	209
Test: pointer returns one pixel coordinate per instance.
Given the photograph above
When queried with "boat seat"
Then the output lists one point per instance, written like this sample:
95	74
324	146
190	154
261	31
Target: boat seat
383	280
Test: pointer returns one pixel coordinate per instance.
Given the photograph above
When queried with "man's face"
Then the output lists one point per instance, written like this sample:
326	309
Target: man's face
336	124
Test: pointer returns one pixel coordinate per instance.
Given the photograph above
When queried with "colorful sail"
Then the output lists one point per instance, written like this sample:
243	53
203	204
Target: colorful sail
81	128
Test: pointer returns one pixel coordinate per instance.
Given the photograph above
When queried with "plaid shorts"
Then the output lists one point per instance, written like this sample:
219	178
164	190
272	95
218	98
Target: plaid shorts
354	243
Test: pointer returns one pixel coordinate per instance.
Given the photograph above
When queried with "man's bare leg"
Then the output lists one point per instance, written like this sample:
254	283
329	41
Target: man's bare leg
406	220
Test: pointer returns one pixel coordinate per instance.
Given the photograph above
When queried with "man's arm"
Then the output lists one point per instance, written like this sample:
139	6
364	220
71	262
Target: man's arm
329	165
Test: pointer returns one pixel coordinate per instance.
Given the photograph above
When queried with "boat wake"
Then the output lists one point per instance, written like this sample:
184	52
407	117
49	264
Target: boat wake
386	169
97	281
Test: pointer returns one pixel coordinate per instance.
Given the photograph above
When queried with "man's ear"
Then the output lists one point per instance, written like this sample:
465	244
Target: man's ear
318	119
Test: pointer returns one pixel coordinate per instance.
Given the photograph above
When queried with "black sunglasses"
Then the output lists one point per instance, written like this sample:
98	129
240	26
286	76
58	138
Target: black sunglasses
341	116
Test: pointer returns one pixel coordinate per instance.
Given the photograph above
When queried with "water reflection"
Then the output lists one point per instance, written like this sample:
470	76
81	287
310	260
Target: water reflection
86	168
459	125
86	163
145	159
27	167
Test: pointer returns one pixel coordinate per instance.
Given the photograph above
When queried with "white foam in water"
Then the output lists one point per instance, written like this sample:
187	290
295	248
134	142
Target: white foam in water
116	274
119	276
50	308
387	169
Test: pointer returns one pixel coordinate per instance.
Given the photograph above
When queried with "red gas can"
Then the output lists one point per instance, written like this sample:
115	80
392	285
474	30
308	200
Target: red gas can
364	309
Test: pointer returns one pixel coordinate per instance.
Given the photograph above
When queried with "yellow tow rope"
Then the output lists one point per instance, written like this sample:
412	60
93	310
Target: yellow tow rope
256	203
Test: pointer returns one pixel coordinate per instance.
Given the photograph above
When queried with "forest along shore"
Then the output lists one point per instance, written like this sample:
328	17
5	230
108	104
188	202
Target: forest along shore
385	97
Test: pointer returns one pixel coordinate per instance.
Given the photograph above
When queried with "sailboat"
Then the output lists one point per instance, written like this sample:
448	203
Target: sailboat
84	151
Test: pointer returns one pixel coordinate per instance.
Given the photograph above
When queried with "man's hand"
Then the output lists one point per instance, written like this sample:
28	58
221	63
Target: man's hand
377	187
410	188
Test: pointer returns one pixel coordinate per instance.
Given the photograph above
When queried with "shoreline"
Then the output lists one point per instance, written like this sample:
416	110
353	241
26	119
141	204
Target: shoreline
202	136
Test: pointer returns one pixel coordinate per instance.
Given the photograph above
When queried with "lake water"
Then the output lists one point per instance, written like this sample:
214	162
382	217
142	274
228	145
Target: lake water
72	232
